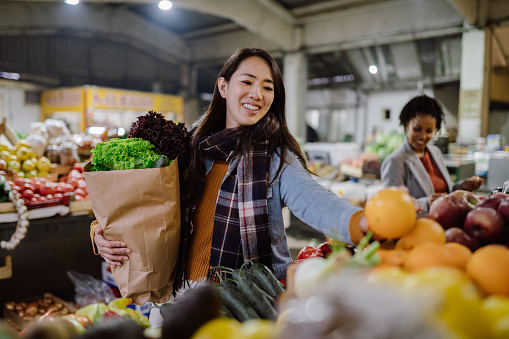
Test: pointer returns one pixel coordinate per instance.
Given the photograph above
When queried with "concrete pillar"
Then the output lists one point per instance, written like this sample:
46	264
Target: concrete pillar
474	85
295	79
189	91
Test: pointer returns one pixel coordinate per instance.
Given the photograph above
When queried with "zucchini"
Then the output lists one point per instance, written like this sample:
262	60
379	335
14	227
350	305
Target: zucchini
236	303
267	280
246	273
257	299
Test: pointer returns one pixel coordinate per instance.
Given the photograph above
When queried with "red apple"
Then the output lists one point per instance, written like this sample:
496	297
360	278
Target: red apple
455	234
491	202
470	198
500	194
503	209
449	211
485	224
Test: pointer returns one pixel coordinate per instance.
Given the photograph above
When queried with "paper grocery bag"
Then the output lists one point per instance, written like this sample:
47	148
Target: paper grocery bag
140	207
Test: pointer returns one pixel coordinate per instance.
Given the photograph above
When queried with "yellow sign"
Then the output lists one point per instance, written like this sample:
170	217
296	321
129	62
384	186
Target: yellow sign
105	98
66	100
88	99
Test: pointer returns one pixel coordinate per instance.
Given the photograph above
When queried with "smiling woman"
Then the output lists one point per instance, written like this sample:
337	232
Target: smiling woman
418	165
242	167
249	93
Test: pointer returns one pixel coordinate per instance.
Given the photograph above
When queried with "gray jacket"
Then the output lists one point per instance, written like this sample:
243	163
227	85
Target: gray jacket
403	167
309	201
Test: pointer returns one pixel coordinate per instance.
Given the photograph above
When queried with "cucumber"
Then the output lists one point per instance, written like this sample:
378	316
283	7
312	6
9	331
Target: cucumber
236	303
256	298
266	279
246	274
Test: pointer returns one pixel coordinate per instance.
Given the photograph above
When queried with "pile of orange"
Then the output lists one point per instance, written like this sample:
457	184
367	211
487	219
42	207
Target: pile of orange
420	243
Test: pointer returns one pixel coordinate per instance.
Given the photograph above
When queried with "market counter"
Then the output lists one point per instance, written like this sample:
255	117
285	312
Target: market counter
40	262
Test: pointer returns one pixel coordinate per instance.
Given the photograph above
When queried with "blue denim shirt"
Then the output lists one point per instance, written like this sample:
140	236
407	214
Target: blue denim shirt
308	200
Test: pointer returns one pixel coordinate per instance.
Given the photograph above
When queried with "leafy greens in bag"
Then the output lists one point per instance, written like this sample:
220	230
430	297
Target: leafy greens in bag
123	154
153	142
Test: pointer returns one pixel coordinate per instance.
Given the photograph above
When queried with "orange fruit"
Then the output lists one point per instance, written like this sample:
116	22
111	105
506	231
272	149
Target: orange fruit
489	268
459	254
392	257
390	213
424	230
428	254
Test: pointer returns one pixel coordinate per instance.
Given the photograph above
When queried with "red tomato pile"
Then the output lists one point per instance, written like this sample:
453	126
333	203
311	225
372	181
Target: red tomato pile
40	192
76	179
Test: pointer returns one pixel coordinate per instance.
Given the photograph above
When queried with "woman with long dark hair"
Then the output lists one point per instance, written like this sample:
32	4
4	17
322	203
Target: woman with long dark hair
243	167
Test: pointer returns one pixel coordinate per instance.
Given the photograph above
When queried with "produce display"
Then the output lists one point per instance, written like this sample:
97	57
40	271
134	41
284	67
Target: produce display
21	161
417	282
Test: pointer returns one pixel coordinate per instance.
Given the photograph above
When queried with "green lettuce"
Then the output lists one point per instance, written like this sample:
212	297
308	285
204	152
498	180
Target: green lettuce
124	154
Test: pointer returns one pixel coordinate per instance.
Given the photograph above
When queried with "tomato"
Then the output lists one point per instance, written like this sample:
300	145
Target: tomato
20	181
73	182
28	186
16	188
80	191
47	189
49	196
82	183
308	252
324	249
27	194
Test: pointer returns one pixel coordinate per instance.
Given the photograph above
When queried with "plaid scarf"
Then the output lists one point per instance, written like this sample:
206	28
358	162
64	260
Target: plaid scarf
241	222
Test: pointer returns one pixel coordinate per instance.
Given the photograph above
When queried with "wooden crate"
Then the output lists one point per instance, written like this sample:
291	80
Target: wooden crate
19	323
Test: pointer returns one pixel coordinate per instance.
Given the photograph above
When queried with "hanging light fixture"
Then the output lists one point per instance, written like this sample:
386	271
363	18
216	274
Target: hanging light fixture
165	5
72	2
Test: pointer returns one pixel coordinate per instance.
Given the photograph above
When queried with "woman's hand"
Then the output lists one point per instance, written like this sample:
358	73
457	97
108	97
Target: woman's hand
472	184
111	251
434	197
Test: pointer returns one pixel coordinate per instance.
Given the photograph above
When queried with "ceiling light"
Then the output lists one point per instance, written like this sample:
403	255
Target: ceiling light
373	69
165	4
72	2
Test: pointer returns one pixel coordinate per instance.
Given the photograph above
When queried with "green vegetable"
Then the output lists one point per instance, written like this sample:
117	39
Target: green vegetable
251	292
236	303
266	280
124	154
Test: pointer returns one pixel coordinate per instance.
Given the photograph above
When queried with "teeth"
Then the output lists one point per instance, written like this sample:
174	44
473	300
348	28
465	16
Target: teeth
248	106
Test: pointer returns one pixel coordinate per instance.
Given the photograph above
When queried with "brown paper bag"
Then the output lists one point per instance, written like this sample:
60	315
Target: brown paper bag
141	207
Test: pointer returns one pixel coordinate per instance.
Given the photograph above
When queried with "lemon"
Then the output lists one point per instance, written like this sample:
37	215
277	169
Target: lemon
23	153
12	150
22	143
220	328
28	165
13	157
4	155
44	164
42	174
258	329
21	174
31	174
14	165
4	147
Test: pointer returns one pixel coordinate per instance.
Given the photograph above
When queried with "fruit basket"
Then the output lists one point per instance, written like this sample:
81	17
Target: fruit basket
19	314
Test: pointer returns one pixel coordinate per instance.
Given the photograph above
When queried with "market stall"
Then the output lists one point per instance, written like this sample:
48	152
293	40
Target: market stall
106	108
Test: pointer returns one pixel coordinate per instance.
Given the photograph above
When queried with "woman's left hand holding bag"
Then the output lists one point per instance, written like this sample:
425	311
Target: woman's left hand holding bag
113	252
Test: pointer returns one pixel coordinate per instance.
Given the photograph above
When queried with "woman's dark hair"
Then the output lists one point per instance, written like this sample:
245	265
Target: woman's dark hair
422	105
215	117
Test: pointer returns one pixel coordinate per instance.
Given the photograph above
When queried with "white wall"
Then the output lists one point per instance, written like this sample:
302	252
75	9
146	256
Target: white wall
377	102
12	105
